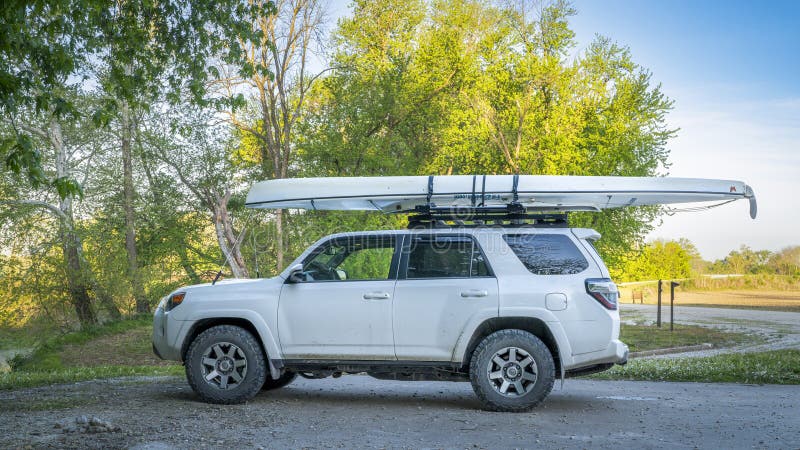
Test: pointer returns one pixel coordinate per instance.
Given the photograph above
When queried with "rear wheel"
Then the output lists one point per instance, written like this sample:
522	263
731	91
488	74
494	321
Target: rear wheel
225	364
512	370
284	380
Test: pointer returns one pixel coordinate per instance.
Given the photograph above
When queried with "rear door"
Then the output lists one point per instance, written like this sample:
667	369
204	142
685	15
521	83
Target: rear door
443	280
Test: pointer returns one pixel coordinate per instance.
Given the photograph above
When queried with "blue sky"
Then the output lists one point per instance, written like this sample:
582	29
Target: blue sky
745	49
733	71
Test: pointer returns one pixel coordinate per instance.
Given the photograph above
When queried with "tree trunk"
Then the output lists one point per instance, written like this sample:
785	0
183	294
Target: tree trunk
279	250
129	196
76	278
76	269
226	236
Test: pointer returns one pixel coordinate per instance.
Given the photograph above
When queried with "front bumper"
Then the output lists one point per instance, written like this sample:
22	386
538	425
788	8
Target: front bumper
167	333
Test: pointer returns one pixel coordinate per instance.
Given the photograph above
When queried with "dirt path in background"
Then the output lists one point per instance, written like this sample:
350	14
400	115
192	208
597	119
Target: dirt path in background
754	299
779	329
131	348
358	411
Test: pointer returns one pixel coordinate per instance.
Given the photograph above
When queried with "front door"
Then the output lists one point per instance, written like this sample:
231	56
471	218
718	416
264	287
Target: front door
444	280
343	309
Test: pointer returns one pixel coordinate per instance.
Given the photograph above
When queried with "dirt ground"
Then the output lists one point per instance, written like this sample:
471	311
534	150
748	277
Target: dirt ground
358	411
763	298
129	348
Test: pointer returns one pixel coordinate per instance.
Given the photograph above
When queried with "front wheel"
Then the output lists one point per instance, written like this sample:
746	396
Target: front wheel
225	364
512	371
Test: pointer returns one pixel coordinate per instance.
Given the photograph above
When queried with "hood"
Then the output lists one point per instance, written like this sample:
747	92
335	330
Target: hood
225	285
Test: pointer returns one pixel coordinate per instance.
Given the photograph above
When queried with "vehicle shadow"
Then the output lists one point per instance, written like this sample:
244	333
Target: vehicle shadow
411	398
407	395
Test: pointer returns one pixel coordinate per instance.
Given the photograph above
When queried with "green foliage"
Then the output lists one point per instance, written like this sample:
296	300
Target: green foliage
48	45
747	261
659	260
773	367
444	87
24	379
786	262
462	87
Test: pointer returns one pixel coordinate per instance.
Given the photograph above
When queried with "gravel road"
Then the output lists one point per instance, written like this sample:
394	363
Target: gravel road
358	411
778	329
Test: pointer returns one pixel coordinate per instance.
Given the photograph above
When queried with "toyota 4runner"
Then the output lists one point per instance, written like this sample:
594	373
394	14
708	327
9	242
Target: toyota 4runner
509	309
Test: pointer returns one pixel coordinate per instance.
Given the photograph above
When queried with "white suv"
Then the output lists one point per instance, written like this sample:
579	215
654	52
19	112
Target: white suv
508	308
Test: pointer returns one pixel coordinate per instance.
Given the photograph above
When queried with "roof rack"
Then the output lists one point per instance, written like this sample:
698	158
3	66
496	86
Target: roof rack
508	216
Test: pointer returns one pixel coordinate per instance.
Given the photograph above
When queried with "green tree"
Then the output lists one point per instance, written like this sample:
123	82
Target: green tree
48	45
274	76
744	261
464	87
786	261
659	260
69	154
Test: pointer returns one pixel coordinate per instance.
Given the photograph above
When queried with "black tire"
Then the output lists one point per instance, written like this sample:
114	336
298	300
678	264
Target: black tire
534	390
251	379
284	380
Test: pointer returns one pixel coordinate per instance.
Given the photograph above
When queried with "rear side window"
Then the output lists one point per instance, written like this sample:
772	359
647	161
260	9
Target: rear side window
445	257
547	254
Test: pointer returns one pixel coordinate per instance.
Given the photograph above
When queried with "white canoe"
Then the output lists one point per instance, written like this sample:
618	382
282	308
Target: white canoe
533	192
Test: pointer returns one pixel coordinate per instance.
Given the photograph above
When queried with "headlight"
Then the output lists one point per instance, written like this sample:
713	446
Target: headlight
174	300
163	302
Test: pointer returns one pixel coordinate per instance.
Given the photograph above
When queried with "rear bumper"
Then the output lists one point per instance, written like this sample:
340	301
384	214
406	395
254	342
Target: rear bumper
615	353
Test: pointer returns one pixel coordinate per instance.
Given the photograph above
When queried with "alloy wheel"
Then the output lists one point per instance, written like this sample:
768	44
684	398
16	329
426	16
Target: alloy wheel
512	372
224	365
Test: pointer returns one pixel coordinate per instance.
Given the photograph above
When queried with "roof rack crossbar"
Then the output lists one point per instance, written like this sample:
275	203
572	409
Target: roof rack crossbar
510	215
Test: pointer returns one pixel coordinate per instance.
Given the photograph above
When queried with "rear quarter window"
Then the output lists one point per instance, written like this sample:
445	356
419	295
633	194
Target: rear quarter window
547	254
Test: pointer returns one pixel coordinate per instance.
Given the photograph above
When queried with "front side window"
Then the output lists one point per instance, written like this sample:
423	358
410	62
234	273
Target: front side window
351	258
547	254
445	257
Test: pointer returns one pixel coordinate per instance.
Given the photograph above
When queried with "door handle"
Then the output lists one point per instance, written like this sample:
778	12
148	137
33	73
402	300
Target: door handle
376	296
474	293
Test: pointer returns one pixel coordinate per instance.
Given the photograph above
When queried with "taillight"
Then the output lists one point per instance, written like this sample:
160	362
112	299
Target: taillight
604	291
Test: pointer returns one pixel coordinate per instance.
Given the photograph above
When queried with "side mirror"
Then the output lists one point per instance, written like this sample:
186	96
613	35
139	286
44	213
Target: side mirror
296	274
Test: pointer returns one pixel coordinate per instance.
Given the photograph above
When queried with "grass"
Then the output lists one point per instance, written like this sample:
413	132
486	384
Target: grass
48	404
15	338
123	349
785	308
115	349
645	337
121	343
19	379
773	367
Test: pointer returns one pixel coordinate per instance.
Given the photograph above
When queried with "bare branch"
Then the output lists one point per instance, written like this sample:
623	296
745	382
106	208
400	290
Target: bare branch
52	209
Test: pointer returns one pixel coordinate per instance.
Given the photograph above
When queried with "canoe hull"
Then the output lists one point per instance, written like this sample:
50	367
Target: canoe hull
533	192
